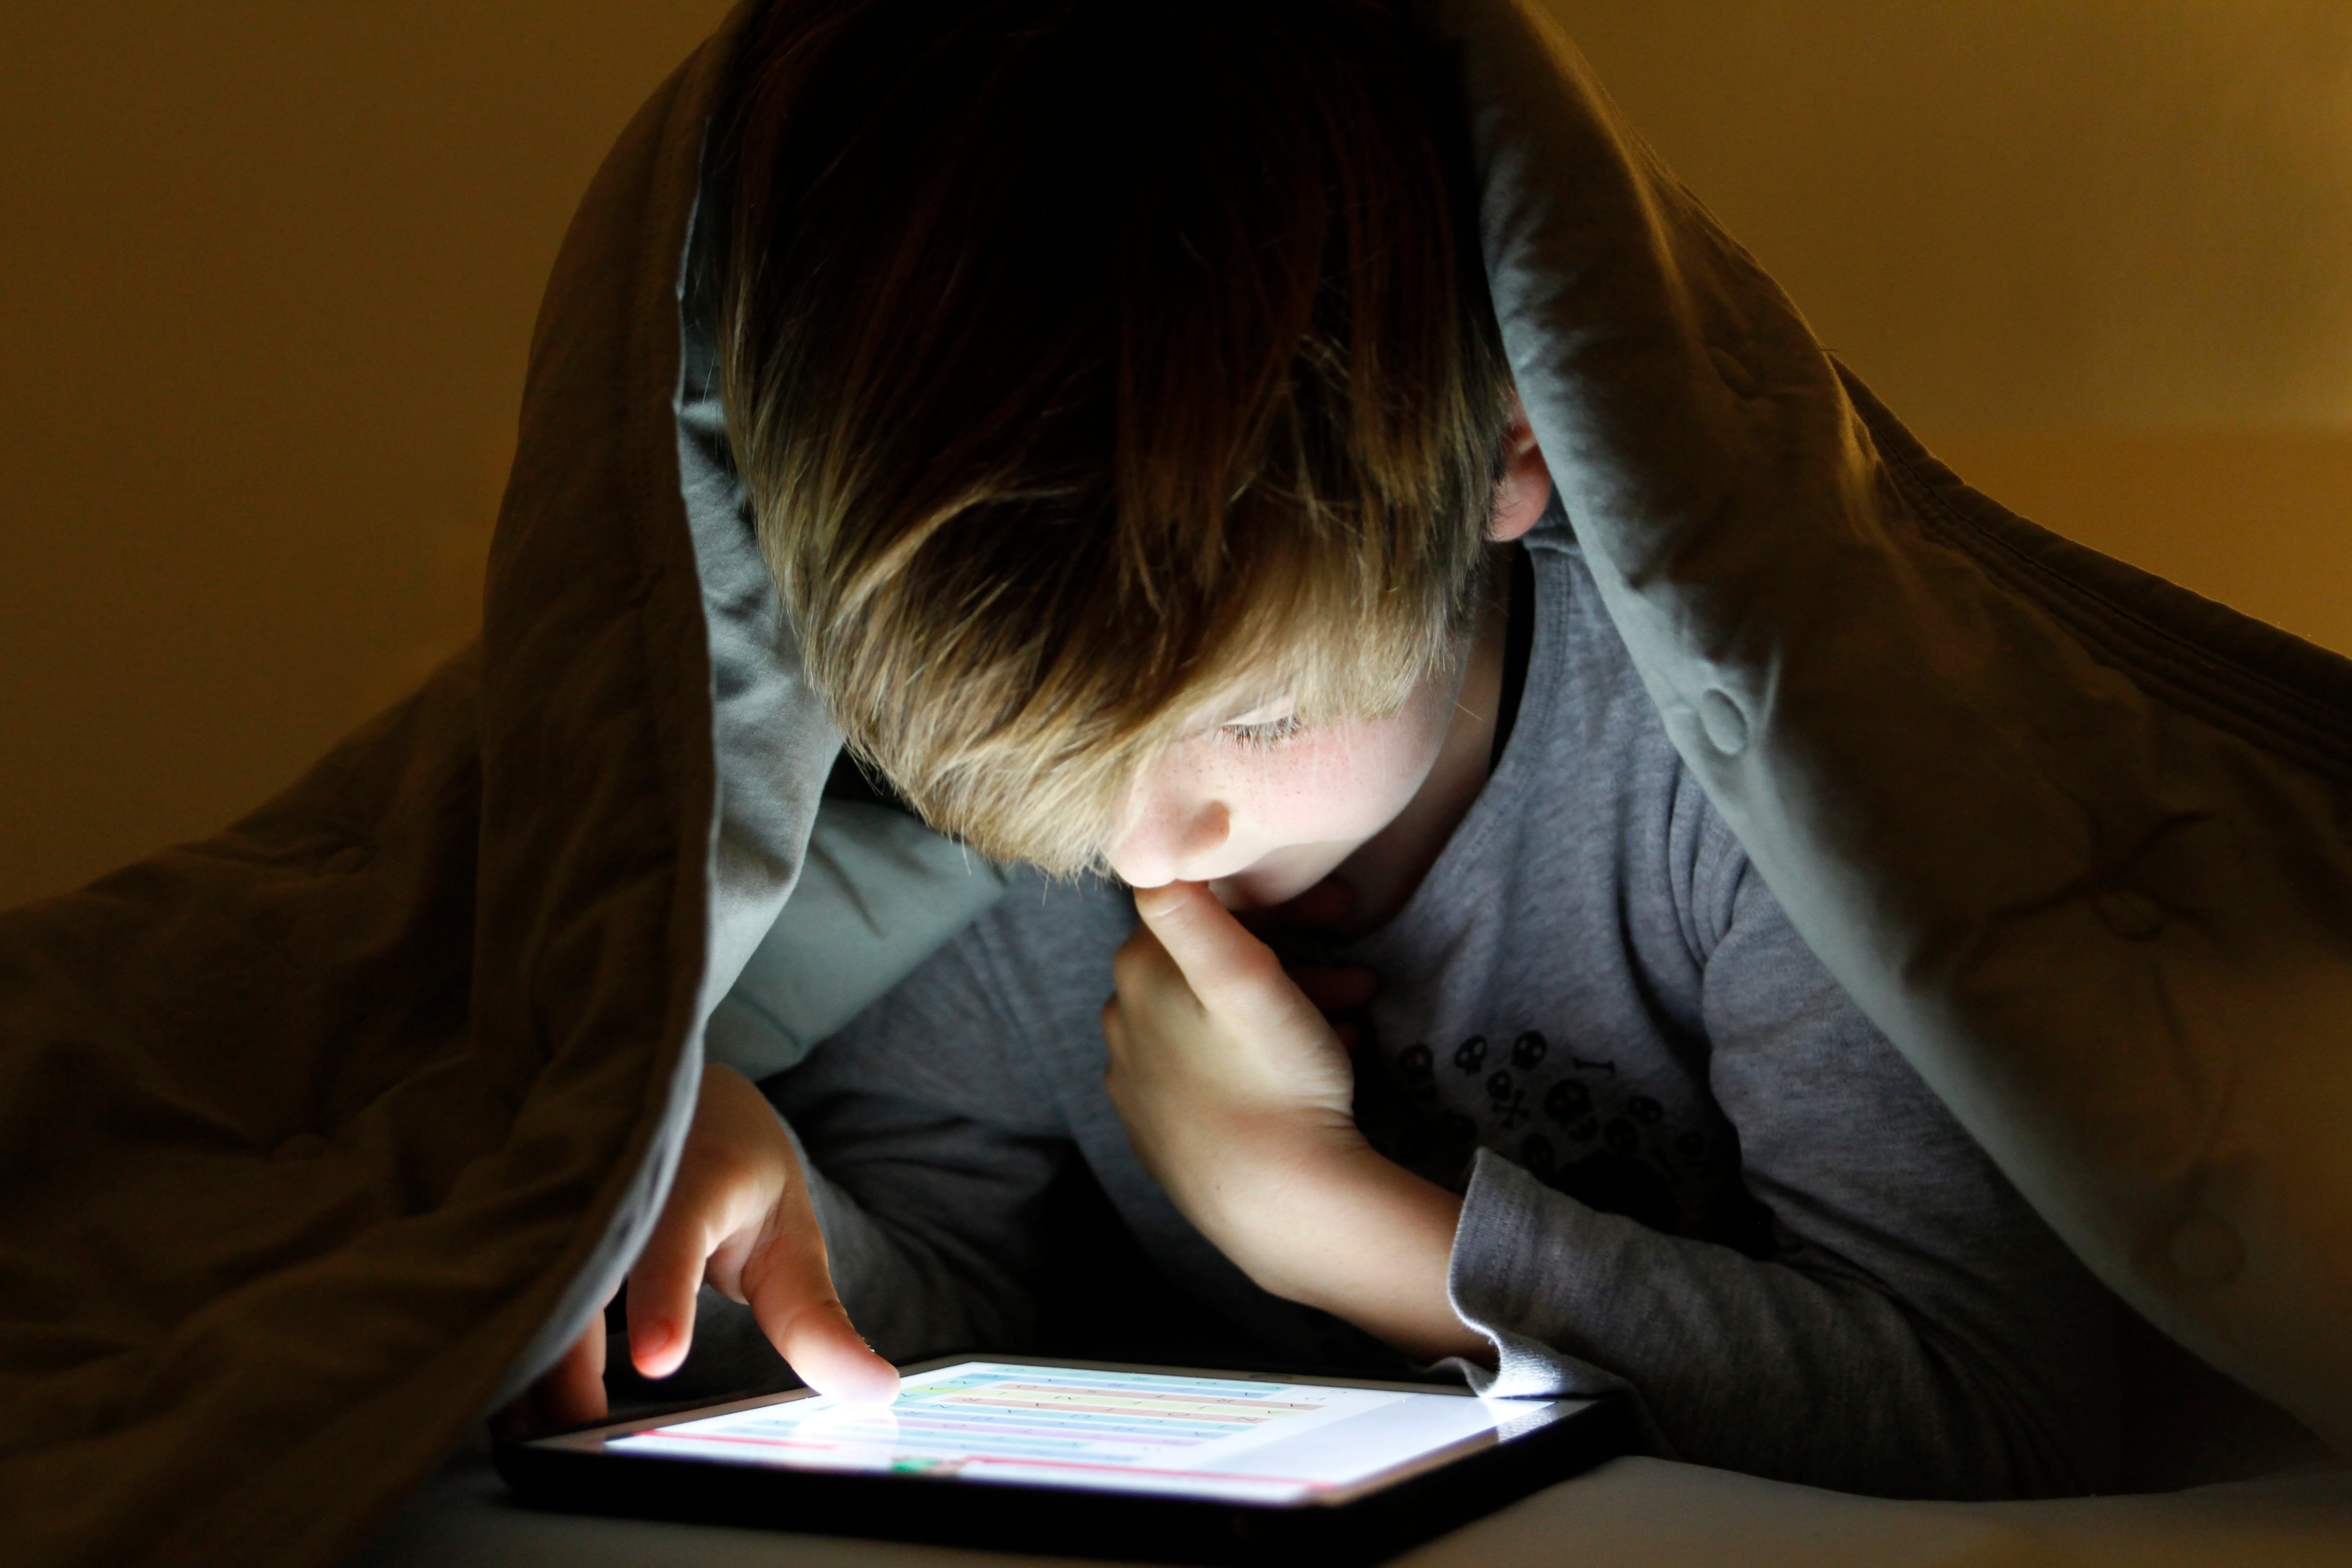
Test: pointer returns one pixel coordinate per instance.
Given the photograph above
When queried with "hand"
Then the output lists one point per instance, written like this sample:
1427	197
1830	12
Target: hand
1339	991
570	1392
738	1217
1213	1046
1237	1095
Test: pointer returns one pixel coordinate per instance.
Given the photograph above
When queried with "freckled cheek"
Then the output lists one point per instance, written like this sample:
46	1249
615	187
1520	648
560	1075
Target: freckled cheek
1334	786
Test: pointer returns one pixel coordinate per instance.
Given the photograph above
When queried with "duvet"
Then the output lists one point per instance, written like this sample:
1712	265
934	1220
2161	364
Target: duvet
320	1137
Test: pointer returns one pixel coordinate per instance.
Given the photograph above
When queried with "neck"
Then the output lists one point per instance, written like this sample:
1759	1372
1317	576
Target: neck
1385	870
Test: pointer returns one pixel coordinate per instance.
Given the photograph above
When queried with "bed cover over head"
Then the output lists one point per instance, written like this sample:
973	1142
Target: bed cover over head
321	1137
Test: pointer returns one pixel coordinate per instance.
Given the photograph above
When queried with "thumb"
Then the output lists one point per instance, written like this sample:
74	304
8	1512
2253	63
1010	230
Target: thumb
788	1282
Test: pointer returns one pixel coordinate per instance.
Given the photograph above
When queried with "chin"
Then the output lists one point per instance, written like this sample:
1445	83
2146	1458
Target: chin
1261	886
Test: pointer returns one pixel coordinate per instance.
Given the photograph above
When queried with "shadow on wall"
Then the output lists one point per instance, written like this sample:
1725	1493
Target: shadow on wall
272	269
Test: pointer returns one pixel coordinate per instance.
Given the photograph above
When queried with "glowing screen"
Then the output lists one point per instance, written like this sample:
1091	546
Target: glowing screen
1121	1431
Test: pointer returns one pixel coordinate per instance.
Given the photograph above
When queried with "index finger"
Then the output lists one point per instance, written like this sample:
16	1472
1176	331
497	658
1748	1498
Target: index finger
1223	963
788	1280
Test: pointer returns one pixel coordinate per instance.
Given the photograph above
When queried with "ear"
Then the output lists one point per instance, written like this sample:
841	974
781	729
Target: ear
1526	487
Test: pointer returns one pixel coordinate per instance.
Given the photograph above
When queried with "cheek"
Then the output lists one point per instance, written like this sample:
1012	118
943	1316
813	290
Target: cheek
1350	780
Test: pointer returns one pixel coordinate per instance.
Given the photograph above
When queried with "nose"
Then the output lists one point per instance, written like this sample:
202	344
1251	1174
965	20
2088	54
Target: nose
1170	838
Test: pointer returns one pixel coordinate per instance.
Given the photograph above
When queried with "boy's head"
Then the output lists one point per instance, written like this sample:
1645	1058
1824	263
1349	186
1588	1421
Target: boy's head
1108	376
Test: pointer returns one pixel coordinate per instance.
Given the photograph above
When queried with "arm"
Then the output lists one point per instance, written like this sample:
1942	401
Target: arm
1926	1335
1920	1333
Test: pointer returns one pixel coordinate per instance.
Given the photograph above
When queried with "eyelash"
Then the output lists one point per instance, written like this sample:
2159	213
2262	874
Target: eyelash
1274	732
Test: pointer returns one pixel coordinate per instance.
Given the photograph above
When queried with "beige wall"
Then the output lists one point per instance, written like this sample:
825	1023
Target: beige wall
2097	252
270	269
2027	213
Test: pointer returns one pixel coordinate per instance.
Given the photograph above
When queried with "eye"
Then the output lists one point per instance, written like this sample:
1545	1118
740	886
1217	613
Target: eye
1271	732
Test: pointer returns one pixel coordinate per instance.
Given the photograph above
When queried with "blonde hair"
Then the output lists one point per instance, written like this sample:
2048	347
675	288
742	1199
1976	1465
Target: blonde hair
1087	359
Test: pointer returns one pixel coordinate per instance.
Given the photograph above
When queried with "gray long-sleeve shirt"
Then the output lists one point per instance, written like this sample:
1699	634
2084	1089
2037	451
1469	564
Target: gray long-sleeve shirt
1592	1004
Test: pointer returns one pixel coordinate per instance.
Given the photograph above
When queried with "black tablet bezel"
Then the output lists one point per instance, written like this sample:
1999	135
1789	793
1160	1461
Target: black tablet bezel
1374	1519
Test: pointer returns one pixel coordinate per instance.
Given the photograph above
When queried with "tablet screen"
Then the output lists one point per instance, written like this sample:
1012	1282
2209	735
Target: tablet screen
1223	1438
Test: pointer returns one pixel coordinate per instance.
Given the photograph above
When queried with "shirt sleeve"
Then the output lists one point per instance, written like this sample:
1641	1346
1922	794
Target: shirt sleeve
929	1150
1917	1330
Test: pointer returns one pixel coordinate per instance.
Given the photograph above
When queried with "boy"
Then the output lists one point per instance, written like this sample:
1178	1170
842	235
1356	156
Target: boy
1128	433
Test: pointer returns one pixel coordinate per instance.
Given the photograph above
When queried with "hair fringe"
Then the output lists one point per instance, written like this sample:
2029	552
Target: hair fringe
1085	362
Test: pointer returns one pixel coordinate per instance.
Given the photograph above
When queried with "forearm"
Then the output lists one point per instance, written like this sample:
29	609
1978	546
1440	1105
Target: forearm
1344	1230
1801	1369
1958	1344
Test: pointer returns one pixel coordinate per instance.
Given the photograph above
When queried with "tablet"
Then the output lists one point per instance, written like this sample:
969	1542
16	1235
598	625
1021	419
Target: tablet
1098	1458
